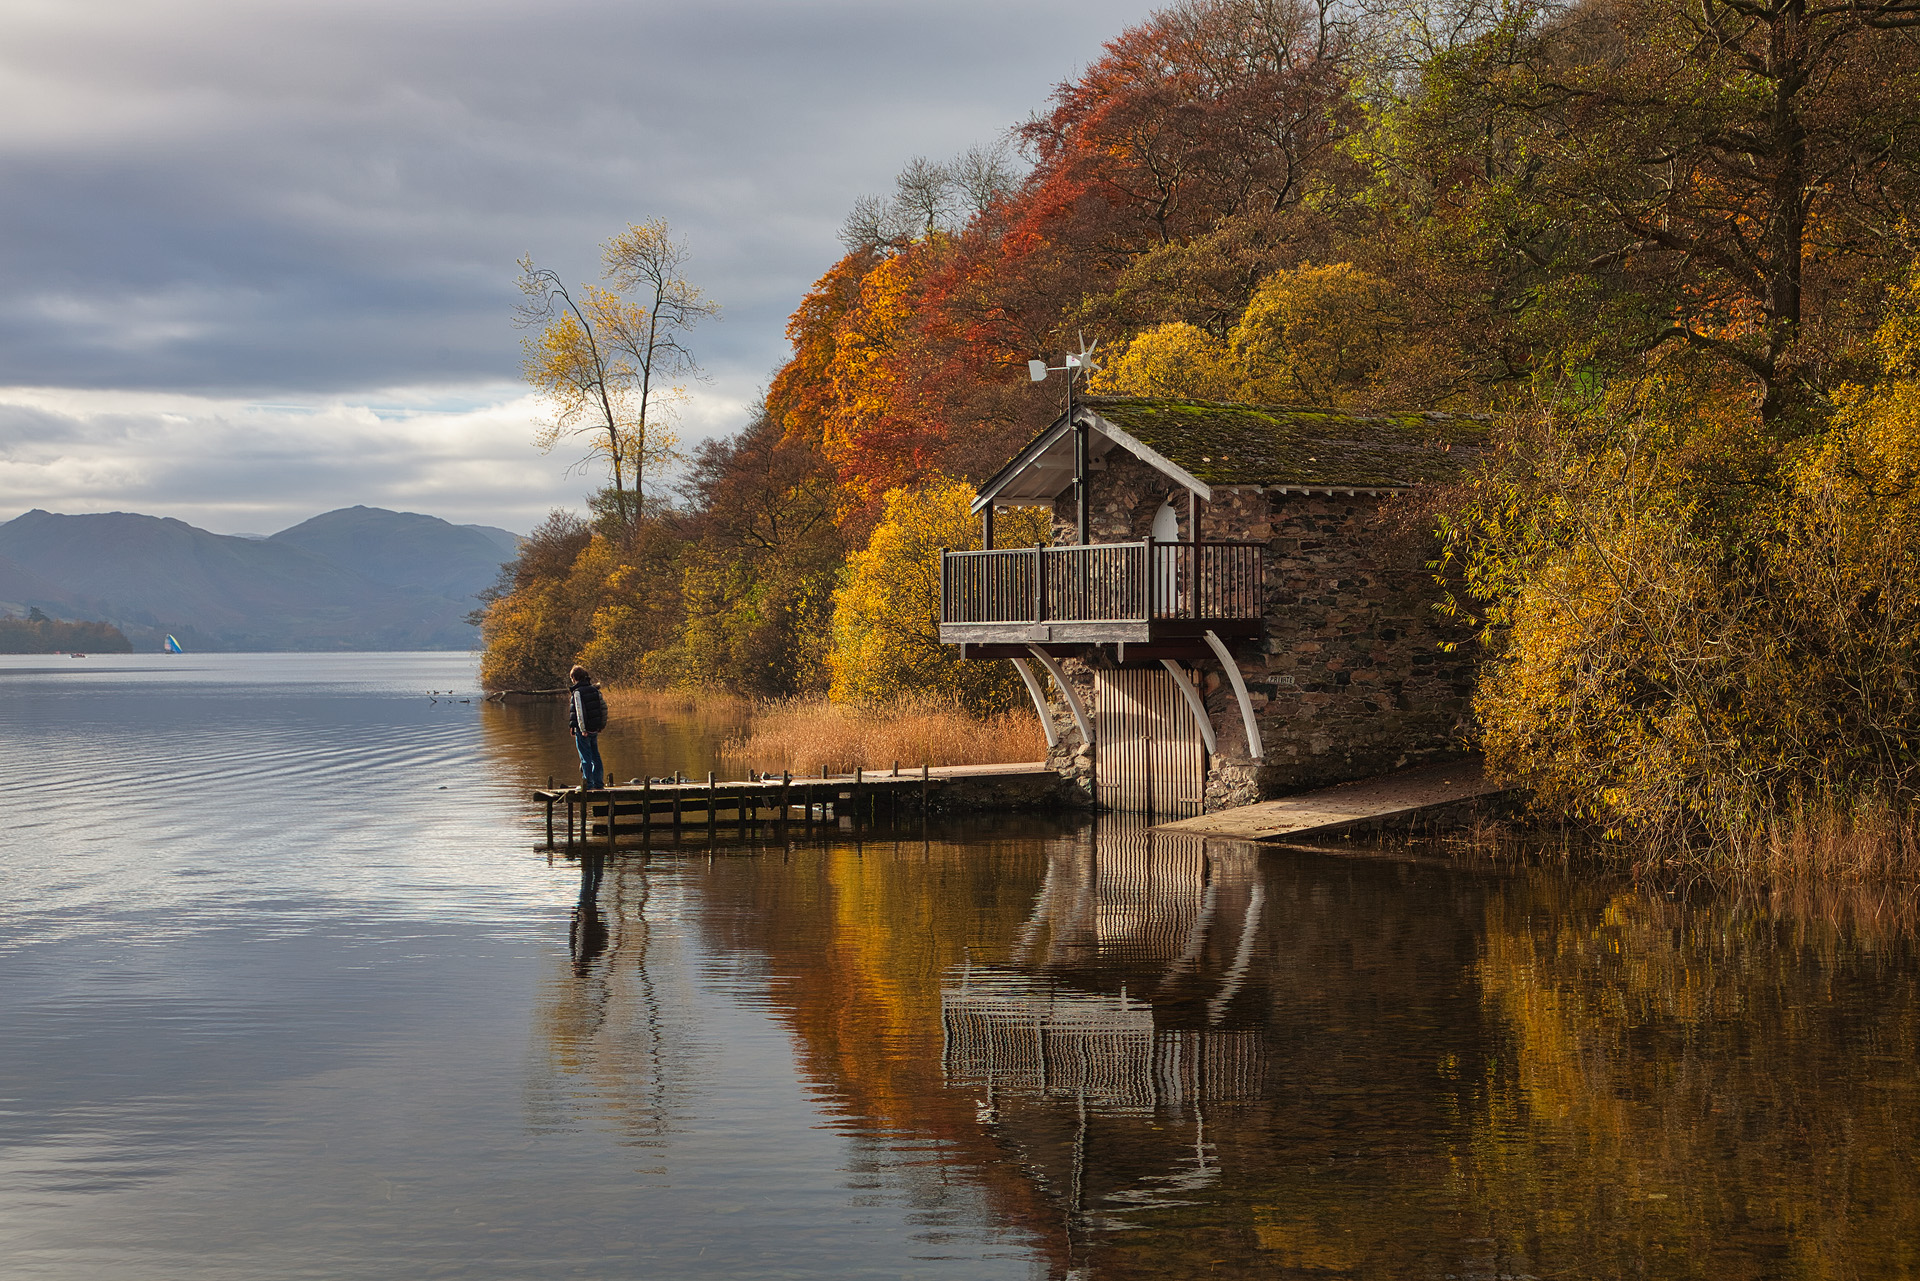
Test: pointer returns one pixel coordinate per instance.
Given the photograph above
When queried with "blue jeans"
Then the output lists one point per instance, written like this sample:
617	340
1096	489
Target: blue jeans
592	771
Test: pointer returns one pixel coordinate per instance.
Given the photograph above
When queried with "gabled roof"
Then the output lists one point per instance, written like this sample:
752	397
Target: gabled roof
1200	444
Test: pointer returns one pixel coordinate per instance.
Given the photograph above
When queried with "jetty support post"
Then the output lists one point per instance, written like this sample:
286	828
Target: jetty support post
859	774
569	818
713	814
549	820
611	806
786	801
646	814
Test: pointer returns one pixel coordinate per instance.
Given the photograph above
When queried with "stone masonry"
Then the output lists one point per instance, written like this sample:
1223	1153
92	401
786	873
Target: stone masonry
1352	677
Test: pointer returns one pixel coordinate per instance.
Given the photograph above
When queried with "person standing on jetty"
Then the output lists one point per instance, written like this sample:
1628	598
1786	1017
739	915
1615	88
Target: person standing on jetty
586	717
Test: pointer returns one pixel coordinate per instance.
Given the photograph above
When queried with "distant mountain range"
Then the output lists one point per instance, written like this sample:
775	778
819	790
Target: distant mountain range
357	578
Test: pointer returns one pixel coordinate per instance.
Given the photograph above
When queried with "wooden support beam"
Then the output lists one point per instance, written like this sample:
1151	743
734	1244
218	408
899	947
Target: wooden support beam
1254	747
1194	703
1067	694
1039	696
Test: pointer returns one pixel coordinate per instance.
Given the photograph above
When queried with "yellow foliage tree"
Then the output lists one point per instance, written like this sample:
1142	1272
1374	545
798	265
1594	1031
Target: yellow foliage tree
1174	359
1315	336
886	619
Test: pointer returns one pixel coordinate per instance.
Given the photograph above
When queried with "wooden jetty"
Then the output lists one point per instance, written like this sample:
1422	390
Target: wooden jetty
1405	798
638	812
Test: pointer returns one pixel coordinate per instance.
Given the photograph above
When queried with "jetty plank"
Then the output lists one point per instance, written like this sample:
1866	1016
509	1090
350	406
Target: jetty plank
1388	800
682	805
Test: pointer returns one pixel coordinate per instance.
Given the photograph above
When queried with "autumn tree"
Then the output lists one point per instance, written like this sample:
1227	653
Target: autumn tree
886	619
1725	176
612	361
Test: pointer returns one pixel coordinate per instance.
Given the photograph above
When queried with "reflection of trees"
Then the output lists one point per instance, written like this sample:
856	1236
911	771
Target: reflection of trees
1151	1058
1721	1082
608	1022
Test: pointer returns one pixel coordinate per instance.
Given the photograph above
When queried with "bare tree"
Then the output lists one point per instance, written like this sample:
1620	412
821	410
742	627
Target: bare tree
612	362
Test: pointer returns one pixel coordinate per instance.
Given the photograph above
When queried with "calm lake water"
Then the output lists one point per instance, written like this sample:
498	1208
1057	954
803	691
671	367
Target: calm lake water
287	990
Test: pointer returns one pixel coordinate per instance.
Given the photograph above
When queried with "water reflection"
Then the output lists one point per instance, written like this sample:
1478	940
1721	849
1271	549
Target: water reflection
1143	1056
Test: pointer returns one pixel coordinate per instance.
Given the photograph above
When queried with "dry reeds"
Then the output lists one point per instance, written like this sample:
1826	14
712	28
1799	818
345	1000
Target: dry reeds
1867	843
709	707
809	735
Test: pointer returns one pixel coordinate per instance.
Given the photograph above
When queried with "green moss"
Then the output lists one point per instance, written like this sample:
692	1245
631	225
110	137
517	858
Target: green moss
1225	444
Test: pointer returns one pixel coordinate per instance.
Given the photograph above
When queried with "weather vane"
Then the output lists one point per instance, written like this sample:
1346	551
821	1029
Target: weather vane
1078	363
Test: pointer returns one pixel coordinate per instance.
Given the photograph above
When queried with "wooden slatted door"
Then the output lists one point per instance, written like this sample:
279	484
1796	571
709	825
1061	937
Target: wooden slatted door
1150	759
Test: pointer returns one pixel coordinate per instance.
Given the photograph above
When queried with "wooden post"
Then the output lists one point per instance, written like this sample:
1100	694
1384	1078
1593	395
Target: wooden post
549	820
742	815
646	812
786	801
1039	586
610	822
926	775
713	814
569	820
854	799
808	802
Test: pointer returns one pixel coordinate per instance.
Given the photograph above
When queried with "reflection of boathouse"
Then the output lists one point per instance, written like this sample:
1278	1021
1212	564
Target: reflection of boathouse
1009	1032
1119	987
1230	609
1112	1020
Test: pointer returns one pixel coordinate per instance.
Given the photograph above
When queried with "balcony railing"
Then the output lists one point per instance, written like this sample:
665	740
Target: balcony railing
1143	584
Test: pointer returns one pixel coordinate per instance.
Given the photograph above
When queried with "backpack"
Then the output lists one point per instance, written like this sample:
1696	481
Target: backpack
589	709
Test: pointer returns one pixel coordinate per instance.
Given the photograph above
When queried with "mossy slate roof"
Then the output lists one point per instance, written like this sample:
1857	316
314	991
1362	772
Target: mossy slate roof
1221	444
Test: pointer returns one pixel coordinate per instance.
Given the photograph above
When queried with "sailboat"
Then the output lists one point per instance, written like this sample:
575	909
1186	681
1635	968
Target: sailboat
171	645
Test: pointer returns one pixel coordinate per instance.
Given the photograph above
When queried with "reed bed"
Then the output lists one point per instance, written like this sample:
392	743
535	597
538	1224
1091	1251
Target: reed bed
711	708
1870	843
811	735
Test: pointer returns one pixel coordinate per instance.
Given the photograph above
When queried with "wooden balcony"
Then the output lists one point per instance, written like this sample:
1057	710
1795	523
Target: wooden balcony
1131	593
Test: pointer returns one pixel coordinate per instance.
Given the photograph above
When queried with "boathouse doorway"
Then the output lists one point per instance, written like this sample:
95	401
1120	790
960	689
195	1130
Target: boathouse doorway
1151	759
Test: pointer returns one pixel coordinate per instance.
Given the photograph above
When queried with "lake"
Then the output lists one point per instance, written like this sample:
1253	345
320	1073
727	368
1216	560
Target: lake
289	989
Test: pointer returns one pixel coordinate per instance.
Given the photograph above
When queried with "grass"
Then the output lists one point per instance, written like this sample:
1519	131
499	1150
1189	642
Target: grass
808	735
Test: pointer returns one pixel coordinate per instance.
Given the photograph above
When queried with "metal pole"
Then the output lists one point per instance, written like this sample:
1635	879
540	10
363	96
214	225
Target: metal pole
1084	524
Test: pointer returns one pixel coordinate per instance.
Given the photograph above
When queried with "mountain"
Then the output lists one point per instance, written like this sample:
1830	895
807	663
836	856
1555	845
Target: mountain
406	549
151	575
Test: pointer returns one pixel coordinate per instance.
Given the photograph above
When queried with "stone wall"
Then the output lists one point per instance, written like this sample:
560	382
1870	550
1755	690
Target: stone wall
1352	669
1350	680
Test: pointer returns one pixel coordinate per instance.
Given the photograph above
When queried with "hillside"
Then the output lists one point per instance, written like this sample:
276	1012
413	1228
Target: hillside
150	576
406	549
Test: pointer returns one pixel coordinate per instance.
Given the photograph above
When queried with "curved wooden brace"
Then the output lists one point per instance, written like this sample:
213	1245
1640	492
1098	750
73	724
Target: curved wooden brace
1194	704
1219	647
1066	692
1038	694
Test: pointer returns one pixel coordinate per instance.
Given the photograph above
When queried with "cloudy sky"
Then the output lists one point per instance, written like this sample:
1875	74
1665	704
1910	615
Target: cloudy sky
258	257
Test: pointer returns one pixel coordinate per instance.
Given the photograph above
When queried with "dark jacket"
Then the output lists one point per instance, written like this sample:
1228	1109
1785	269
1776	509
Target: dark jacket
586	710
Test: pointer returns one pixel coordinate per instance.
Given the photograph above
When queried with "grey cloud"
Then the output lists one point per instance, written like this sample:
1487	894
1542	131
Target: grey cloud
320	197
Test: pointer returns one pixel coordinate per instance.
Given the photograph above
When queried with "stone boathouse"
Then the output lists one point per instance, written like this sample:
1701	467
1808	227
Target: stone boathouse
1233	607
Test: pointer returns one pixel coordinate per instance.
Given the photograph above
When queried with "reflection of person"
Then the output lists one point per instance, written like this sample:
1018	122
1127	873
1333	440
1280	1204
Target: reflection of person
586	717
